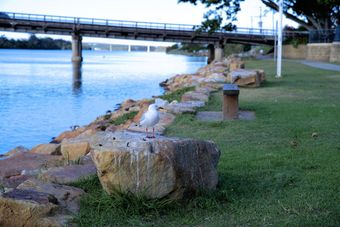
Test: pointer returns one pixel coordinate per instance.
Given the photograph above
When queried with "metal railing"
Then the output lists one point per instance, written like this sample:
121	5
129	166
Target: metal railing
149	25
322	36
122	23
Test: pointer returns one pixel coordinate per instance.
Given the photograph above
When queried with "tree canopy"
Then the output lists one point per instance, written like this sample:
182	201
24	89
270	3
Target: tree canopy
311	14
34	43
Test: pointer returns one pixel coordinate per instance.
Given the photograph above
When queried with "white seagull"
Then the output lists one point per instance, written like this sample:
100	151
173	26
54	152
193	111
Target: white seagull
149	119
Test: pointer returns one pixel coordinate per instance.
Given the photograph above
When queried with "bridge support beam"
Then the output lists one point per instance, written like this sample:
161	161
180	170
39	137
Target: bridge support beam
219	49
215	52
211	53
77	48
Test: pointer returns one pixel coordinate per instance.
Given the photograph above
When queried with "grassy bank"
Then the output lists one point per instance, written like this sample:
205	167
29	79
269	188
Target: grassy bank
282	169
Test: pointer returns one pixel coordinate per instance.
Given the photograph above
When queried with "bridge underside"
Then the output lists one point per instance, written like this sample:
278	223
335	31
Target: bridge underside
166	34
133	33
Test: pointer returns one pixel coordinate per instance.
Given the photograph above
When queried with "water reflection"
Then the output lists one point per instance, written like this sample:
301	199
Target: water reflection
76	82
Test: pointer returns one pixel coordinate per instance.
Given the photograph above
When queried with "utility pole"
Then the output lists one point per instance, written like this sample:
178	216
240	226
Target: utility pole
260	22
275	43
279	45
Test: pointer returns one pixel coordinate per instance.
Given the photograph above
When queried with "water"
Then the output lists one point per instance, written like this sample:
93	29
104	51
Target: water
41	95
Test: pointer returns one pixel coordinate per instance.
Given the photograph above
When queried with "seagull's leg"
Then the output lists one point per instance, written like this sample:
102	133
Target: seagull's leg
153	132
146	129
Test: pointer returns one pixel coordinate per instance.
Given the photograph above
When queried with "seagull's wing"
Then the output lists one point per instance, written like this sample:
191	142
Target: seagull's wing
142	119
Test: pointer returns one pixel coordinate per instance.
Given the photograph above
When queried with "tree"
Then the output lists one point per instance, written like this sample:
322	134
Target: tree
311	14
221	16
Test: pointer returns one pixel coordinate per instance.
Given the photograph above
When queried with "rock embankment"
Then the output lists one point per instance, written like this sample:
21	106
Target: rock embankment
229	70
32	182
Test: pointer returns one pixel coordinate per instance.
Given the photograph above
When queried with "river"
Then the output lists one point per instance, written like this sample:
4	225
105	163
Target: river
41	95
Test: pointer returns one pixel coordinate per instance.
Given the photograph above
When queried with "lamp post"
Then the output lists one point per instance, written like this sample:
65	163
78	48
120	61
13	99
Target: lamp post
279	42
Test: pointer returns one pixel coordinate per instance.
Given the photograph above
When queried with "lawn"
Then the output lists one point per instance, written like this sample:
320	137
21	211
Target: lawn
282	169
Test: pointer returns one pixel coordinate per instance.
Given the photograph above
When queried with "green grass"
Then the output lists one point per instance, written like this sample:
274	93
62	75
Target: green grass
272	170
122	119
176	95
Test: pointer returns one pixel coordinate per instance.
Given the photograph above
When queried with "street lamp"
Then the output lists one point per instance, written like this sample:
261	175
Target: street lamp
279	42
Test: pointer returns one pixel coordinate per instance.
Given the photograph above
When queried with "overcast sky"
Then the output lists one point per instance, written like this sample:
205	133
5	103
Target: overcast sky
166	11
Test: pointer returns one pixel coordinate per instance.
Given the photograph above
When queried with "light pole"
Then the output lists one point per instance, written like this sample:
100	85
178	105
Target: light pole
279	42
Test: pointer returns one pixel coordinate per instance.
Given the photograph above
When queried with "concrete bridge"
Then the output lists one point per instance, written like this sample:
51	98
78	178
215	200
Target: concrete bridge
91	27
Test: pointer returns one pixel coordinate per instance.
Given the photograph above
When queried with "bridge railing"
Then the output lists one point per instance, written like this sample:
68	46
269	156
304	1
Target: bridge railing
131	24
135	24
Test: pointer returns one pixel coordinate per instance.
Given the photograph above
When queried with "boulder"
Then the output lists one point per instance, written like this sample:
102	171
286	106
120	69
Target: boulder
18	168
212	68
50	148
73	150
17	150
246	78
68	174
27	208
180	81
183	107
156	168
213	78
195	96
68	197
69	134
235	64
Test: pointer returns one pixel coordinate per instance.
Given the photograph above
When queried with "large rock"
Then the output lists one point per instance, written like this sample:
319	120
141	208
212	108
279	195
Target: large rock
73	151
156	168
195	96
246	78
69	134
183	107
15	169
180	81
50	148
27	208
68	197
212	78
235	64
68	174
16	150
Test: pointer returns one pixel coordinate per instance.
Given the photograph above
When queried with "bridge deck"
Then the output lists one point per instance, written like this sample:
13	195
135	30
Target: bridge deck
45	24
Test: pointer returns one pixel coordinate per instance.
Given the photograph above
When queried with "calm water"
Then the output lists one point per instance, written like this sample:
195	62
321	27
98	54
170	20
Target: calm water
41	95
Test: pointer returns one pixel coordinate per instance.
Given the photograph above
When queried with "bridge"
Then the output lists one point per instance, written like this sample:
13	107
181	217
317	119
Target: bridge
91	27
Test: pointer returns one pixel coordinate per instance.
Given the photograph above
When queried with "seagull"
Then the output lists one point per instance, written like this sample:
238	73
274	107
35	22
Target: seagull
149	119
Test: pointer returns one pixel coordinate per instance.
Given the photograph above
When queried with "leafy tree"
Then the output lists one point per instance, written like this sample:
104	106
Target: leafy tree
221	16
311	14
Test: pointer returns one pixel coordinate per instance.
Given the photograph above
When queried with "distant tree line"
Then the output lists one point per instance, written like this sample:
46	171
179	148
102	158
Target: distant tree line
34	42
185	48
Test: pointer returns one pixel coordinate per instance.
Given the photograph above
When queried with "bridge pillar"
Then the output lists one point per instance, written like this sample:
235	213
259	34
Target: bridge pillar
77	48
219	49
211	53
76	85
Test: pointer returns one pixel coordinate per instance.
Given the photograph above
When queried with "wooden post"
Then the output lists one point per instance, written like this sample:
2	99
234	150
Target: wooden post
230	101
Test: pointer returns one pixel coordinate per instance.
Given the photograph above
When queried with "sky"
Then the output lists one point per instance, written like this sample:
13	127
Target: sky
163	11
